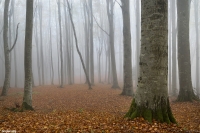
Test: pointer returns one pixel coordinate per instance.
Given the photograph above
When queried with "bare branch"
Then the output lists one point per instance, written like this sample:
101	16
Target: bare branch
100	26
118	3
15	38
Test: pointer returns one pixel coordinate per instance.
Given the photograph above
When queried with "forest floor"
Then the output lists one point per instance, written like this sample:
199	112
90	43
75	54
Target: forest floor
75	109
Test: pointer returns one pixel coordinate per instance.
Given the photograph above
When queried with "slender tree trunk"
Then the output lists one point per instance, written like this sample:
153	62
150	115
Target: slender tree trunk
110	5
6	84
41	43
196	7
88	81
91	44
128	82
186	91
61	52
27	99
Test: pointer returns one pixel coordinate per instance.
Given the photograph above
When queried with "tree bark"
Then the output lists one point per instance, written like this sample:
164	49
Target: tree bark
151	99
27	99
61	52
128	82
110	6
186	91
6	84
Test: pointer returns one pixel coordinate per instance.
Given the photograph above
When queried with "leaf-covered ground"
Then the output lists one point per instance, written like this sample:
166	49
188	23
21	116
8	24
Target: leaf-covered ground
75	109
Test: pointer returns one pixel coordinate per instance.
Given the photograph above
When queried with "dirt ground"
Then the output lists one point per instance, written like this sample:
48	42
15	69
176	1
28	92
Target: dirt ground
75	109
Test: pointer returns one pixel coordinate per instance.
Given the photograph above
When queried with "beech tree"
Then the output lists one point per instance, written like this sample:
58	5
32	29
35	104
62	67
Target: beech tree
27	99
128	82
7	50
151	100
186	92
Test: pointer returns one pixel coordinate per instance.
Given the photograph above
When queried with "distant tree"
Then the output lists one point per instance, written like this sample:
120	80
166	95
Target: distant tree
27	99
76	42
61	51
196	7
151	100
174	47
91	44
110	14
7	50
185	82
128	82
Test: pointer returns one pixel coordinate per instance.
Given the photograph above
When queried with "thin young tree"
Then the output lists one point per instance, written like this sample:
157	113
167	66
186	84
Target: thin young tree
151	100
128	82
7	50
76	42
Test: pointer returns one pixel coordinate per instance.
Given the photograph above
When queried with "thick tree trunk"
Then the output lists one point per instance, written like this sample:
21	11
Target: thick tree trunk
27	99
151	99
186	91
128	82
6	84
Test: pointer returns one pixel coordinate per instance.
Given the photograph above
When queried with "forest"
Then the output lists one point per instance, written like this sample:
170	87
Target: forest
99	66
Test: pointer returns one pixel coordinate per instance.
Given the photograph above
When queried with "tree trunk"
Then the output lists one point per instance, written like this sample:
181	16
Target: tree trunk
88	81
186	91
128	82
91	44
151	99
110	13
6	84
174	47
61	52
196	7
27	99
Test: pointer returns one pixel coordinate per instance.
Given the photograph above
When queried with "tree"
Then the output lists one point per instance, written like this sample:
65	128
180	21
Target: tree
151	100
110	6
27	99
196	7
186	91
61	53
91	44
7	51
76	41
128	82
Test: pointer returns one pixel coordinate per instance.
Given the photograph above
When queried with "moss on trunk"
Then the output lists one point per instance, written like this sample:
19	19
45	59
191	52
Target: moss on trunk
161	113
25	106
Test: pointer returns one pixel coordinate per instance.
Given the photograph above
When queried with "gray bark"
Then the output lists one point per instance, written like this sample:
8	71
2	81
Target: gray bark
196	7
128	82
76	41
186	91
61	52
151	100
27	99
91	44
110	13
174	47
6	84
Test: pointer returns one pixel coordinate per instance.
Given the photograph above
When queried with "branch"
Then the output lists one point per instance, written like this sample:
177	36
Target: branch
100	26
15	39
118	3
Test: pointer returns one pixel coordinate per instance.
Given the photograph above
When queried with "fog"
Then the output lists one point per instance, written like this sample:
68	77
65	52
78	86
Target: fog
100	39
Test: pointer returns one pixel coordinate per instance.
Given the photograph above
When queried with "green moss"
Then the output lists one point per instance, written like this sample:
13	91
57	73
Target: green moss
134	114
25	106
147	114
159	115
